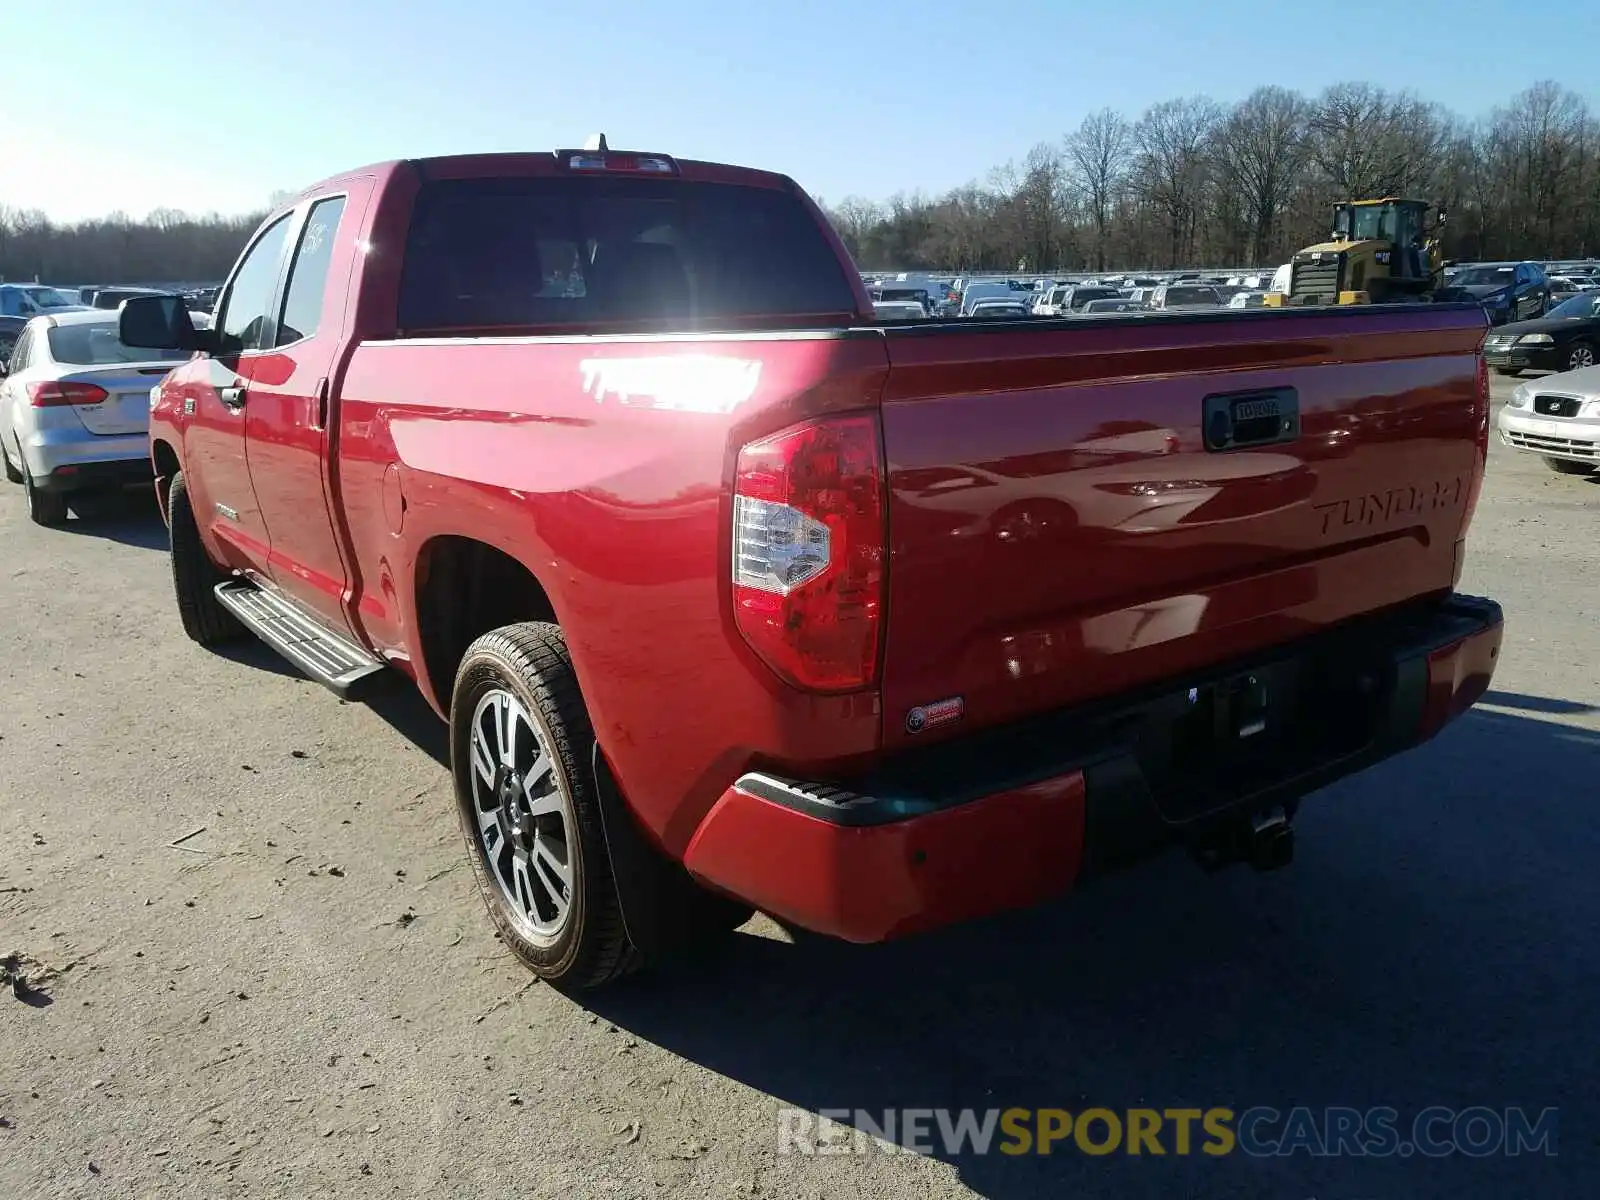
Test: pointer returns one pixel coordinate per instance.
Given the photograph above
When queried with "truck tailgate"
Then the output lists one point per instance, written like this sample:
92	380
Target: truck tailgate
1083	508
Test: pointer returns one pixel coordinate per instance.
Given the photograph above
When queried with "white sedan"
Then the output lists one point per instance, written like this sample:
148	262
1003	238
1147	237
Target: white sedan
75	410
1557	418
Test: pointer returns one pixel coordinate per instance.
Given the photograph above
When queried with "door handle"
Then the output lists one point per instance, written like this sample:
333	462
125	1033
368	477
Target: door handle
233	397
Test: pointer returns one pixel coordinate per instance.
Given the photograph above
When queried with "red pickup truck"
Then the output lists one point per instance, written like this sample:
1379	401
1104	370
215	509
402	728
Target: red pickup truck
734	597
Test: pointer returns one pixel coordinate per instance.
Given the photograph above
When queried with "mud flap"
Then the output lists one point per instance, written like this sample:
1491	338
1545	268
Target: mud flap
664	911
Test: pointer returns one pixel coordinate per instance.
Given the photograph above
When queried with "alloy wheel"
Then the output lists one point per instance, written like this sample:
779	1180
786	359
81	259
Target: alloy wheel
1582	356
525	819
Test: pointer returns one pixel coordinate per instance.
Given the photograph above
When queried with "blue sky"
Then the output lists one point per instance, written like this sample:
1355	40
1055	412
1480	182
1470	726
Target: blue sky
138	104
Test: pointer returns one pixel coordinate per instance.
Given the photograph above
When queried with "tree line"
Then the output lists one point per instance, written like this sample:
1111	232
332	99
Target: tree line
1192	182
165	247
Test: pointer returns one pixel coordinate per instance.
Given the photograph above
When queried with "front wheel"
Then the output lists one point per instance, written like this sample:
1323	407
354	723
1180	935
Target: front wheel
1565	466
519	736
1508	372
1580	356
194	575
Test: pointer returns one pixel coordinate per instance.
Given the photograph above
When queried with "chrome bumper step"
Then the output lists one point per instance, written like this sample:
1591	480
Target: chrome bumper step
332	660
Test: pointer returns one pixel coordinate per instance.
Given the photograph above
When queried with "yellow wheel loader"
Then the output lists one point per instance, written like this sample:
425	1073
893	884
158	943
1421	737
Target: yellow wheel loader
1380	251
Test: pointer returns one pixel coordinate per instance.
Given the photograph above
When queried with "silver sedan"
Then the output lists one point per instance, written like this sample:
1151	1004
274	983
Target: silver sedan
1557	418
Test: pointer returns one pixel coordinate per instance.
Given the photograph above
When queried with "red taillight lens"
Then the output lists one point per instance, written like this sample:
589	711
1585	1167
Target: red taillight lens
808	552
54	395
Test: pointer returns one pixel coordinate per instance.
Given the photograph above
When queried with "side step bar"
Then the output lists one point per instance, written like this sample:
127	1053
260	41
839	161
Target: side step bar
333	661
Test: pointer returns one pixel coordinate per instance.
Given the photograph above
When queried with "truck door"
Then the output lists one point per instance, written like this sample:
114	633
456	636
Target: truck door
286	423
217	386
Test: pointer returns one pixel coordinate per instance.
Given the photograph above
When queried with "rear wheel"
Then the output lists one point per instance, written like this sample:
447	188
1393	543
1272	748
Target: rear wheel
44	508
194	575
12	474
1564	466
529	814
1580	356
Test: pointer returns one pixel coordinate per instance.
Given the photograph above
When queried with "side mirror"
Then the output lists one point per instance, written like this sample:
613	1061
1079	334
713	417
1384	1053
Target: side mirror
5	367
158	323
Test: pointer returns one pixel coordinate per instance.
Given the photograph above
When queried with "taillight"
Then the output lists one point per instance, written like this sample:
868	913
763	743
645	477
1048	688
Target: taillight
55	395
808	552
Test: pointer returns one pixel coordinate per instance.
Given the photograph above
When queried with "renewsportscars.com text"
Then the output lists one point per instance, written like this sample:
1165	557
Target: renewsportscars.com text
1435	1132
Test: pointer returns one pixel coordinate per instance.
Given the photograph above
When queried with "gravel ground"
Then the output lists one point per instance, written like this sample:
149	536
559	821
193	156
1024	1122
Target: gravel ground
255	964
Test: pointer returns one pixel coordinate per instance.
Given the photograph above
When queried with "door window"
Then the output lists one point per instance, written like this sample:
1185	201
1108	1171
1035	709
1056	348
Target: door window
244	319
308	277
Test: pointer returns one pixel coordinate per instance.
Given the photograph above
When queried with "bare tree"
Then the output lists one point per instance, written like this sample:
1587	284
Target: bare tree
1173	165
1260	148
1098	155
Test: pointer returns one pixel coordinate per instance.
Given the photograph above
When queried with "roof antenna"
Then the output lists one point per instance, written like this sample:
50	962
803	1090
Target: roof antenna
596	141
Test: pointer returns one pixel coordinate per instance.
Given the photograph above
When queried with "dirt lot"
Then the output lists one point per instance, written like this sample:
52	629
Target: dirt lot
256	965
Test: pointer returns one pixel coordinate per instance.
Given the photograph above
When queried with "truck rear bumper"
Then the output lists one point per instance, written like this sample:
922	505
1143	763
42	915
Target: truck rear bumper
1007	818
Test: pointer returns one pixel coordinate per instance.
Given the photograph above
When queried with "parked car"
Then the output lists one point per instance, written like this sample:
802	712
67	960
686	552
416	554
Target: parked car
999	308
74	410
1567	338
1507	291
1093	307
1184	295
899	310
1557	418
31	299
975	292
758	602
1064	300
112	297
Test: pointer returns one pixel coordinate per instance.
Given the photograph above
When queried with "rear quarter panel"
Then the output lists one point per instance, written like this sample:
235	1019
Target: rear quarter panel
604	466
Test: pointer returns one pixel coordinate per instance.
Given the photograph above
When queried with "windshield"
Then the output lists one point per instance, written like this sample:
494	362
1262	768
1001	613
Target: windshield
1578	306
1191	295
48	298
98	346
1482	276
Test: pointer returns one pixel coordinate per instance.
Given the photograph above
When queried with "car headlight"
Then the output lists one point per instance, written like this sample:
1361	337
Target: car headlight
155	397
1590	409
1521	397
1536	339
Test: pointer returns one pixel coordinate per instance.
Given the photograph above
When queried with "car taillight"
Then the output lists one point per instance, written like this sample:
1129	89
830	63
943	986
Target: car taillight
809	550
55	395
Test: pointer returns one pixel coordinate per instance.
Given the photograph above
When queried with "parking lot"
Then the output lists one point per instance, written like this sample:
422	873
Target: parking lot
257	962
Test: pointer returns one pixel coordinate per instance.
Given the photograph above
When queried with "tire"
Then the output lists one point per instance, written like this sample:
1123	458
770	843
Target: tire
44	508
522	675
12	474
1508	372
1581	355
195	576
1563	466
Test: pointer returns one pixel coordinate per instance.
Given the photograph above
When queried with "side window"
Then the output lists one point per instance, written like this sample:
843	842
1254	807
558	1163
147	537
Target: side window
308	277
245	319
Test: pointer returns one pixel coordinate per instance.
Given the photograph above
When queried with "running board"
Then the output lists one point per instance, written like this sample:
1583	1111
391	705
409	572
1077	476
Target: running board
333	661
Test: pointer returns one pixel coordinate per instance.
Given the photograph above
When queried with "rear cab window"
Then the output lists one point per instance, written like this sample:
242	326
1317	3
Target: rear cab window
574	253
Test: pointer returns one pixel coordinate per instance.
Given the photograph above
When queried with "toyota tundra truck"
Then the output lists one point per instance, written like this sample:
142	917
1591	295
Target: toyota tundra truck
735	597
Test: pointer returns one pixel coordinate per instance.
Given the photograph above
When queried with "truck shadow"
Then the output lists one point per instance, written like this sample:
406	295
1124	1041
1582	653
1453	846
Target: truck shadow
1434	944
130	517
